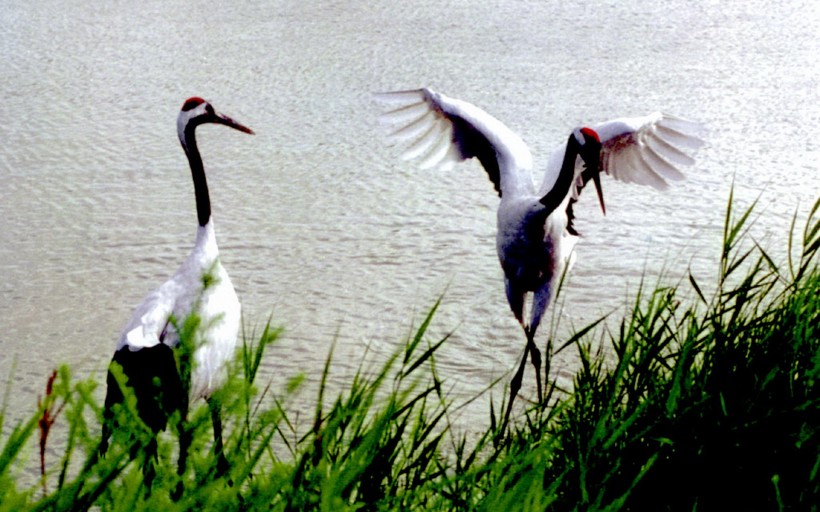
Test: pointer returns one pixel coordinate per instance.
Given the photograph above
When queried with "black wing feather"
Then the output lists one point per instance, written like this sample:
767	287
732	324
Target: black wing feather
472	143
152	374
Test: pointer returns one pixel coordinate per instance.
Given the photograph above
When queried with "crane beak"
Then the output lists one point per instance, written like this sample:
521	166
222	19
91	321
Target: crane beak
596	178
227	121
592	161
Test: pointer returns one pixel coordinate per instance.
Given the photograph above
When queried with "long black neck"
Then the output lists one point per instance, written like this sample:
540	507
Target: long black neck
566	176
203	199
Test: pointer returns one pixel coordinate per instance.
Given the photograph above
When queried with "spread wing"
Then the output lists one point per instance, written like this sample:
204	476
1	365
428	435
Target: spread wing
439	130
649	150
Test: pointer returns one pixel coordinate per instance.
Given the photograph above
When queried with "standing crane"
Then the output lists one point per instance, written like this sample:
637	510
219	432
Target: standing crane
148	348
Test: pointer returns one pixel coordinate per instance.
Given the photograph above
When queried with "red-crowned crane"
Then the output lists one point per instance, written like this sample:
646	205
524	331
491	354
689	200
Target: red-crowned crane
535	237
201	287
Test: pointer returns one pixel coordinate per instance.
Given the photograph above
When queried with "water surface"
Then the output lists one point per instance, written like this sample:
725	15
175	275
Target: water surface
322	228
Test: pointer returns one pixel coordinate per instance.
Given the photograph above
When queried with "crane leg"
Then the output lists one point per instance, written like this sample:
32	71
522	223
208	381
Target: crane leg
185	436
515	386
541	300
149	470
535	358
216	418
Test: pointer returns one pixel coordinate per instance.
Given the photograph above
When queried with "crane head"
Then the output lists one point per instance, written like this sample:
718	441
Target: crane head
196	111
589	149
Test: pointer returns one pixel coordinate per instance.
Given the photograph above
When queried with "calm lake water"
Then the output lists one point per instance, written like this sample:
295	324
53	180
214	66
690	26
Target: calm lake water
321	226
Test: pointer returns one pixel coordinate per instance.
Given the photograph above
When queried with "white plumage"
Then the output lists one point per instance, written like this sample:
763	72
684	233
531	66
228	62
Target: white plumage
217	307
535	236
200	289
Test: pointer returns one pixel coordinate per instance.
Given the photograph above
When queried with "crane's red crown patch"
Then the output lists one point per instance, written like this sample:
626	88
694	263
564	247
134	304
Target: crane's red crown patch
192	102
589	132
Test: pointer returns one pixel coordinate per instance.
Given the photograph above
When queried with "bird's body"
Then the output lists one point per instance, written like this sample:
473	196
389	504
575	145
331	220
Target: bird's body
201	287
536	236
198	299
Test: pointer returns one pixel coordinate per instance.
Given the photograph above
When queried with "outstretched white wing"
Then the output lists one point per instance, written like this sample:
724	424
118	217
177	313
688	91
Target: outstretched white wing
439	130
648	150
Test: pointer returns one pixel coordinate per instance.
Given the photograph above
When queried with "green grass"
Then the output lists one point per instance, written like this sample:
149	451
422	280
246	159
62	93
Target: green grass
707	402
